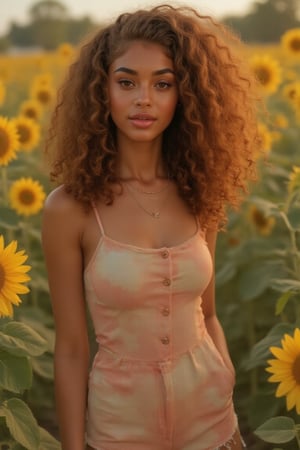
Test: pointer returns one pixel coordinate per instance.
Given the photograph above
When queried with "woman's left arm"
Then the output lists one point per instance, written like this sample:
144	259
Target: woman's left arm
213	325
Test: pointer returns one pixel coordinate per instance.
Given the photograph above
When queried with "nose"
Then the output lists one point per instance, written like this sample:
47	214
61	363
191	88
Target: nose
143	97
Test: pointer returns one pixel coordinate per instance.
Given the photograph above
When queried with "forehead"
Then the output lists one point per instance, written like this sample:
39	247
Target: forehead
143	54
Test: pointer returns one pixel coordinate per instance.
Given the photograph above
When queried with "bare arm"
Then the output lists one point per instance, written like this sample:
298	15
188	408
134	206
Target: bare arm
61	233
213	325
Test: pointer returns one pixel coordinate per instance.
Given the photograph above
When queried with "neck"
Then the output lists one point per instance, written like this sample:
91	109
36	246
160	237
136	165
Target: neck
141	162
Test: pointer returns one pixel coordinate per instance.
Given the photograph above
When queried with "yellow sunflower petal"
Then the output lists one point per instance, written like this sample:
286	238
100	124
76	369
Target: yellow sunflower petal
290	400
12	276
13	298
297	337
285	387
28	131
27	196
281	354
278	363
278	378
6	309
9	141
285	370
289	344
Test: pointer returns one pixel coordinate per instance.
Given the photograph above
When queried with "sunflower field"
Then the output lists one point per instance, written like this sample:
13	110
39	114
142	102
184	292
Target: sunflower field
257	264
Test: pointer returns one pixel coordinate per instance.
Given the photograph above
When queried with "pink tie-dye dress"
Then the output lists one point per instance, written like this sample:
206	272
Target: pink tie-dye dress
157	382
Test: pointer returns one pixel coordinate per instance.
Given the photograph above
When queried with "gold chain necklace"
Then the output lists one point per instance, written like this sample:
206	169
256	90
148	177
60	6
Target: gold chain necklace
153	214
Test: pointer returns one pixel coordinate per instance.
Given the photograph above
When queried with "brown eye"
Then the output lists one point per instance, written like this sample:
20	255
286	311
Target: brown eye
126	83
163	85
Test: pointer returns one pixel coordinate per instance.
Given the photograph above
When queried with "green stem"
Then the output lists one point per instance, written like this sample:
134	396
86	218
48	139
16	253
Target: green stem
25	235
294	252
33	298
251	341
4	186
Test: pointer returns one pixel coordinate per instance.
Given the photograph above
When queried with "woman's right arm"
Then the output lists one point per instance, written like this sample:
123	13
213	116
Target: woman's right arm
63	220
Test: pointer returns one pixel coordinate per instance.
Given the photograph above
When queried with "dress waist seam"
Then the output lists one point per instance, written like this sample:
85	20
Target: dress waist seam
127	359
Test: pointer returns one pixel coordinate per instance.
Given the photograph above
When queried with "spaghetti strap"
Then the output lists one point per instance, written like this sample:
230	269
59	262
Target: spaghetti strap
98	218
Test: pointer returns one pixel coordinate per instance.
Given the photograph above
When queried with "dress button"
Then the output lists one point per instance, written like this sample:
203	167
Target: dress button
165	340
165	311
164	254
166	281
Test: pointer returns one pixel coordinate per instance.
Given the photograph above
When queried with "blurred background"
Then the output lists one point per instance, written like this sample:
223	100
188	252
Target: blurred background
258	257
25	24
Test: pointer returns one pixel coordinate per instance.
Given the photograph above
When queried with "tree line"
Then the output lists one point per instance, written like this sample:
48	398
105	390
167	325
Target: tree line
50	24
266	21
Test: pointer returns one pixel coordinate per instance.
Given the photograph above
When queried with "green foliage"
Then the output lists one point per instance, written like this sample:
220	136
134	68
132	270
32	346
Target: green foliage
266	21
21	423
277	430
50	25
19	342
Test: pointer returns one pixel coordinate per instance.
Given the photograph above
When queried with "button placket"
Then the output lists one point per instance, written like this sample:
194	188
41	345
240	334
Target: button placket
165	254
165	309
166	282
165	340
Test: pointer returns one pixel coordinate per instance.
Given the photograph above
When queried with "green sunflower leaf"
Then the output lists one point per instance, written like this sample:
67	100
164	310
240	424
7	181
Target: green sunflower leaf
21	423
21	340
277	430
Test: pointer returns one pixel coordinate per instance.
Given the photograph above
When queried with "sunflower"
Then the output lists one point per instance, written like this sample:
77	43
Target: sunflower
31	109
294	179
262	223
12	276
2	92
291	91
28	131
265	138
43	94
280	121
9	141
43	79
26	196
285	369
267	71
291	41
296	106
65	50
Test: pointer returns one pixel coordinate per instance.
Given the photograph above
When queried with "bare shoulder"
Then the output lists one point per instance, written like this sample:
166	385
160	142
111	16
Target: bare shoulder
59	200
62	211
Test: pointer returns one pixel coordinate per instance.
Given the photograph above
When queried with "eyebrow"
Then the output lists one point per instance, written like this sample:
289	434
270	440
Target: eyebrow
134	72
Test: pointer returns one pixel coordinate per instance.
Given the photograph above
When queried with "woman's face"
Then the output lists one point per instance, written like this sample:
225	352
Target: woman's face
142	92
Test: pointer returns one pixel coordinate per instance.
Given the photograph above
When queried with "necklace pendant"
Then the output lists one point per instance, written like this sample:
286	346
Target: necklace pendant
156	214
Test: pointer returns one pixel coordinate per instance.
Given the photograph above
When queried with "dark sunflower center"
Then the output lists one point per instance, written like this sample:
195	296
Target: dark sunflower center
26	197
24	134
259	219
263	74
296	370
44	96
31	113
2	277
295	44
4	143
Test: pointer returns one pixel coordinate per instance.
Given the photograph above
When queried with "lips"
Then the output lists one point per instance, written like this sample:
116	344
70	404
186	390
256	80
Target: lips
142	120
142	116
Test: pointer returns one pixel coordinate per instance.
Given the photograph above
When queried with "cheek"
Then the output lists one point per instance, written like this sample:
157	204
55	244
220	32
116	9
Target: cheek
169	107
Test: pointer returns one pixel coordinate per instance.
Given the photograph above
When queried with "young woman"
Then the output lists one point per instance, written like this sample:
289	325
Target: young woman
154	132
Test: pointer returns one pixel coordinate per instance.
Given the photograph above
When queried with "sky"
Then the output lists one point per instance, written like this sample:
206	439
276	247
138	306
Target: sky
102	10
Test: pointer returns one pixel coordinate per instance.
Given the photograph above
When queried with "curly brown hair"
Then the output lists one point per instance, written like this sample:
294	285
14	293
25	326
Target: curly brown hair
209	145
